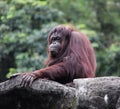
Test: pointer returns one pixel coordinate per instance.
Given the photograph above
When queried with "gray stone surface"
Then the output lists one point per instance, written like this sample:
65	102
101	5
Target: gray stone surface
89	93
43	94
98	93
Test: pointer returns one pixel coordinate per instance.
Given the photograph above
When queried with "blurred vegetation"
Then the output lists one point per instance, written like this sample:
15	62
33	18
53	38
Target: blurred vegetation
24	26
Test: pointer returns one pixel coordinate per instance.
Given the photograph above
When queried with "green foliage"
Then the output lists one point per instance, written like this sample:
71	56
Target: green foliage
109	60
23	34
25	24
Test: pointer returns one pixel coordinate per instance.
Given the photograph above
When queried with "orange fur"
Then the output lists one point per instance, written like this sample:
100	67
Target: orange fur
76	60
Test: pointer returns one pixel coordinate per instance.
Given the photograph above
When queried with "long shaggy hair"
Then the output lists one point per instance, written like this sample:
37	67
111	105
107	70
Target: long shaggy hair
77	52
